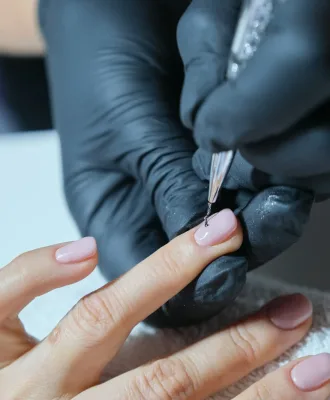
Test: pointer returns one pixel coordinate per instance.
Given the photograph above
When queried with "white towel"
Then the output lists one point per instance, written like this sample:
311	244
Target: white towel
146	343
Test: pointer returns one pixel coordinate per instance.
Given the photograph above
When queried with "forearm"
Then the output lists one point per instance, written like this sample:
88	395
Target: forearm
19	31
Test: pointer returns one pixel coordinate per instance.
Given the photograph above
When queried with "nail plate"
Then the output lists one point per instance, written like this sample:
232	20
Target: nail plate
288	312
77	251
312	373
220	227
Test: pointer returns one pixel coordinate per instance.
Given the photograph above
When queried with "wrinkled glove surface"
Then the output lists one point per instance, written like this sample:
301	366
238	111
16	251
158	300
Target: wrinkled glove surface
116	77
278	110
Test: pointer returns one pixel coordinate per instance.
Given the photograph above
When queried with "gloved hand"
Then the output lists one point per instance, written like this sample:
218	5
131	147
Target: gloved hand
116	76
278	110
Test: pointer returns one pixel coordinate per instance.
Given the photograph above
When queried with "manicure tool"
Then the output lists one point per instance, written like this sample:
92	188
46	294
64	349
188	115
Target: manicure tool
253	21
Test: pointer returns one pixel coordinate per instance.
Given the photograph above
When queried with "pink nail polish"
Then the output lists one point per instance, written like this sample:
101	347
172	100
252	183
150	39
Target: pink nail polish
288	312
220	227
312	373
76	252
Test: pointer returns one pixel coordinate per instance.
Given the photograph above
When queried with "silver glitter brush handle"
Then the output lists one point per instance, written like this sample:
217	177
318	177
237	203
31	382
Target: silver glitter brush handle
254	19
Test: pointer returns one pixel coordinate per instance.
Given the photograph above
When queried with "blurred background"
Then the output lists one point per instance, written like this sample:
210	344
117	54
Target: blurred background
33	211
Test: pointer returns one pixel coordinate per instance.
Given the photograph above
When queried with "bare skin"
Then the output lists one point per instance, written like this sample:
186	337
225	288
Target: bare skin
19	28
93	332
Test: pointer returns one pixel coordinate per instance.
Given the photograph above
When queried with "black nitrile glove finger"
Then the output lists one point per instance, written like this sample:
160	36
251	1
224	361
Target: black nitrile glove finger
205	34
283	88
287	78
116	77
305	149
273	216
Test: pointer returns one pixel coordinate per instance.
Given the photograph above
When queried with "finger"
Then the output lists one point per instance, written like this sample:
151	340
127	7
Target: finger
205	34
14	341
220	360
283	82
40	271
273	215
302	152
113	208
95	329
273	221
305	379
214	289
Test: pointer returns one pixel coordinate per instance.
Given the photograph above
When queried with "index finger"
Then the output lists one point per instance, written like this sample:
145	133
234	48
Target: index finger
284	81
205	34
95	329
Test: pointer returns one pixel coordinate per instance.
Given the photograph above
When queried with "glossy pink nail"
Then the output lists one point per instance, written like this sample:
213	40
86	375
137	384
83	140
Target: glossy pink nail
220	227
76	252
288	312
312	373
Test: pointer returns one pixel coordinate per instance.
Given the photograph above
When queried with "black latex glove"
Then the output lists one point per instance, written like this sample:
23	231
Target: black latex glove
278	110
116	76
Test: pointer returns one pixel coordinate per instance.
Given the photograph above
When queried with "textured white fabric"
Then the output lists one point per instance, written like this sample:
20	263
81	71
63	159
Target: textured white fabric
145	343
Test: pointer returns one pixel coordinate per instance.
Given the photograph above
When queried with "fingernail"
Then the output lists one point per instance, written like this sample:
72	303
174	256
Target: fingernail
288	312
78	251
312	373
219	228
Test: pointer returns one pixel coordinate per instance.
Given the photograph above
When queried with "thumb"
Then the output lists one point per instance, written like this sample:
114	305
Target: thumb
273	221
205	33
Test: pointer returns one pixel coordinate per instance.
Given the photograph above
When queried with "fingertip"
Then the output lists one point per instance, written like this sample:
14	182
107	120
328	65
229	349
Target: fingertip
311	373
290	312
217	229
43	270
274	220
77	251
76	259
37	272
286	320
236	239
222	236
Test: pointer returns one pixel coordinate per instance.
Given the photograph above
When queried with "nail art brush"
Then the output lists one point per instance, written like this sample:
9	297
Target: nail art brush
253	21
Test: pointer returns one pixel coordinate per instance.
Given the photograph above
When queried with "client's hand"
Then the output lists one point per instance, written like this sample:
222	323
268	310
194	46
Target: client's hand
68	363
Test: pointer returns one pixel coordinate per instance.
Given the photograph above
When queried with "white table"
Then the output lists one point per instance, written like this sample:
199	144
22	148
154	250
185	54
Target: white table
33	213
